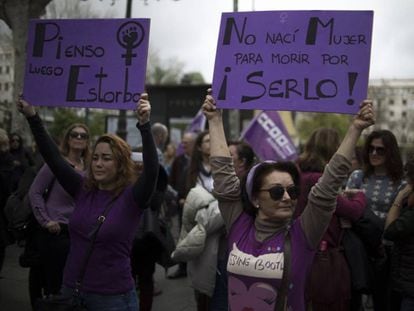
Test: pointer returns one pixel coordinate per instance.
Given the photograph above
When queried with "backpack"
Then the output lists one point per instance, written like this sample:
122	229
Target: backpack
18	210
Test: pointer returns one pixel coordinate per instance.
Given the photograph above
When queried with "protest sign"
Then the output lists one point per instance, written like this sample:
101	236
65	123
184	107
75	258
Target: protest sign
293	60
268	137
97	63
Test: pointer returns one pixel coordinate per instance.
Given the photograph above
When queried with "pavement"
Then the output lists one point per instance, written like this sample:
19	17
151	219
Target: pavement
176	294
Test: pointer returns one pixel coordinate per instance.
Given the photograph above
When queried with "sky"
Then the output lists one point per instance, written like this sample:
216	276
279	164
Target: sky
187	30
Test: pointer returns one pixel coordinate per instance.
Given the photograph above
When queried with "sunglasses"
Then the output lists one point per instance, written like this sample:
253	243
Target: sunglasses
277	192
78	135
380	151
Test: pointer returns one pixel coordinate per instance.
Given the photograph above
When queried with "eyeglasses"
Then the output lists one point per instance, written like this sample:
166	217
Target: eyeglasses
78	135
277	192
380	151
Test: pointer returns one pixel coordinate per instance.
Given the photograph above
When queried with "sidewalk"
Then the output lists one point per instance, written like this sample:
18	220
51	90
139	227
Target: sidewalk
176	295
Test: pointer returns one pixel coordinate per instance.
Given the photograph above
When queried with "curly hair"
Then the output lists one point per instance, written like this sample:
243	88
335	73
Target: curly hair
393	162
125	166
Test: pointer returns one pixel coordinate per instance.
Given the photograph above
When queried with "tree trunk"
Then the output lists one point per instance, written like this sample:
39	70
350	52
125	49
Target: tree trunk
16	14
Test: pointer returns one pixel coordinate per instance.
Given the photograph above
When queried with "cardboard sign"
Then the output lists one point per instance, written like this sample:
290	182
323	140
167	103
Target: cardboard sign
293	60
98	63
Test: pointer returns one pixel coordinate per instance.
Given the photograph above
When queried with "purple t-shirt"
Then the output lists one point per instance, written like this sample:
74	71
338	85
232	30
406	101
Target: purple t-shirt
109	268
255	268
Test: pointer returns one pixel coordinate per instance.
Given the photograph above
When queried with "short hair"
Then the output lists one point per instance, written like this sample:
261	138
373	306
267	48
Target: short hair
245	152
159	131
122	156
393	162
256	176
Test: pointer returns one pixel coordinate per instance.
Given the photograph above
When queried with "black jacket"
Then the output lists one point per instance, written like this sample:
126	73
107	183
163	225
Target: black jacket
401	231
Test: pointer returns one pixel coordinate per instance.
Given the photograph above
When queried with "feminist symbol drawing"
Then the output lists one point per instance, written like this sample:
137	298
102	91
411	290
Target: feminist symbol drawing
130	36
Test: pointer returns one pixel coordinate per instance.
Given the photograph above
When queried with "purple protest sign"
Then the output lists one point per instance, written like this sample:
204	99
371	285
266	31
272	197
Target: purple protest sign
268	137
98	63
293	60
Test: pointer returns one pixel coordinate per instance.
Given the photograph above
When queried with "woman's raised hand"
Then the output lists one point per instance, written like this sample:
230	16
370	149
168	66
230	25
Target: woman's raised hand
25	108
143	110
365	116
209	107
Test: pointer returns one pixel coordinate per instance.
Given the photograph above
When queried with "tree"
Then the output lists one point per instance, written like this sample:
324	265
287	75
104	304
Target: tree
192	78
163	72
16	15
312	121
63	118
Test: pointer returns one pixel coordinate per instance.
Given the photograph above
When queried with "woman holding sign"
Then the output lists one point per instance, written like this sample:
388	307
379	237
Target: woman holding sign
108	206
270	253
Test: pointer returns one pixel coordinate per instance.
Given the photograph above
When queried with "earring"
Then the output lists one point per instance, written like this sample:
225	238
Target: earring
257	206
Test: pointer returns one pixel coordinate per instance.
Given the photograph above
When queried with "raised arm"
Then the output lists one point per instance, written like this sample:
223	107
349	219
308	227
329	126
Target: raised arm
66	175
144	187
226	183
322	198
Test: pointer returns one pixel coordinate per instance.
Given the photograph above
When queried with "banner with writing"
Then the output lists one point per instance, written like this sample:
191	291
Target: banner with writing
96	63
293	60
268	137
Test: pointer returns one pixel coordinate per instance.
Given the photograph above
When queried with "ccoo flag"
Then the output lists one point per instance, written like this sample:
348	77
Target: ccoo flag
268	137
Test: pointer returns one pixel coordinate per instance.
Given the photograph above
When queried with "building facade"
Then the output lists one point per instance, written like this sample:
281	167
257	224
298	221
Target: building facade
394	104
6	85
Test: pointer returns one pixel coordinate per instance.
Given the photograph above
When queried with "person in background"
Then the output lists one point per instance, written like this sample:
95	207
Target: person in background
52	213
22	157
381	178
6	171
258	216
399	228
147	248
160	134
201	210
169	156
178	181
243	157
336	295
110	183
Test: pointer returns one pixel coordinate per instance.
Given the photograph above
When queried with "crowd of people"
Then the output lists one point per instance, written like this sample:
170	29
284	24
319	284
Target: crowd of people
252	235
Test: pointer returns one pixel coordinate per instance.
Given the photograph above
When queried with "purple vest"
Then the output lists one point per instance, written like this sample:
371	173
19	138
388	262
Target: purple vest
255	268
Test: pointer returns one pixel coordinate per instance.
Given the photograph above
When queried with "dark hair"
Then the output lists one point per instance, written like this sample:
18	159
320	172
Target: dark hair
196	161
409	169
319	149
261	171
245	152
393	162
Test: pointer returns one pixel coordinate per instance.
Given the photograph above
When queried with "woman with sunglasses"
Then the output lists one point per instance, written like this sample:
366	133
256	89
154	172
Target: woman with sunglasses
52	206
110	184
381	178
270	253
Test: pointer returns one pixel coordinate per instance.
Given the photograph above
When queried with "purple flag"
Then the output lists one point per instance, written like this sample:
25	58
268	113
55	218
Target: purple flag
197	125
293	60
97	63
268	137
